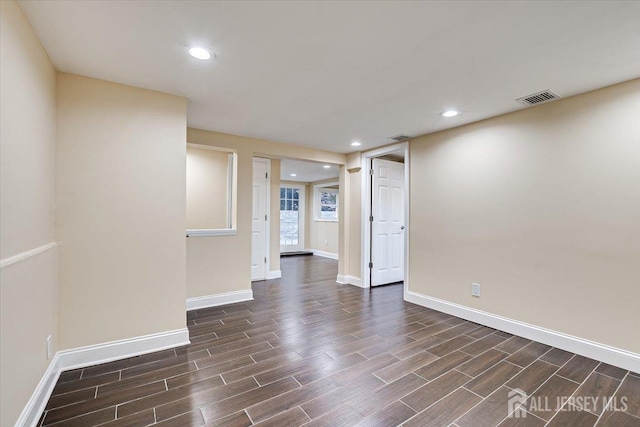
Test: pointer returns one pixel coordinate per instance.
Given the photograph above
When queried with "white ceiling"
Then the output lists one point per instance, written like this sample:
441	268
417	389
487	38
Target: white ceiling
306	171
324	73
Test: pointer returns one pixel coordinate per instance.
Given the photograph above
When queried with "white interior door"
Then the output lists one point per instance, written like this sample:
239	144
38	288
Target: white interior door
291	218
259	220
387	227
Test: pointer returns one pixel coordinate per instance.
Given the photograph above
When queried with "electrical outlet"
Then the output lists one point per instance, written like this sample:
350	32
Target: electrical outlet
475	289
326	243
49	347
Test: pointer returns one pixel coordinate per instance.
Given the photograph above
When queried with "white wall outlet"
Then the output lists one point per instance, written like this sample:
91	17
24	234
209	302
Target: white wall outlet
49	347
326	243
475	289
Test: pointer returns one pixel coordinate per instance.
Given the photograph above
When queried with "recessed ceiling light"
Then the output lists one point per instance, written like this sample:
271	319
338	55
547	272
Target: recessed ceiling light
449	113
356	144
294	174
327	166
200	53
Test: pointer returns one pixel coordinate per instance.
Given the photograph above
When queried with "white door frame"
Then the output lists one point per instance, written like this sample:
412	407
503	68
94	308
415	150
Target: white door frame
301	212
366	203
267	233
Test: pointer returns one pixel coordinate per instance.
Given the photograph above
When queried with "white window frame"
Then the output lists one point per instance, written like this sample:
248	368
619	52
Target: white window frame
301	213
317	189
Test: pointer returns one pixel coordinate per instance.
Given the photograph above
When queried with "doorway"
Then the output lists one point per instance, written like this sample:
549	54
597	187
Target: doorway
292	219
387	222
385	215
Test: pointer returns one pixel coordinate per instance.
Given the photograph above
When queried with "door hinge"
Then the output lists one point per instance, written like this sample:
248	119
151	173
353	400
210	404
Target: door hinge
371	171
265	217
370	265
265	260
266	175
371	218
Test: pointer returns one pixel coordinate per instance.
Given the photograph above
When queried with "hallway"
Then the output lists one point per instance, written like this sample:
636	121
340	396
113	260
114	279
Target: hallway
308	351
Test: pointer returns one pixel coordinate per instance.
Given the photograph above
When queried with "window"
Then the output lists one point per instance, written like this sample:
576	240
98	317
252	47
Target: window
291	207
326	203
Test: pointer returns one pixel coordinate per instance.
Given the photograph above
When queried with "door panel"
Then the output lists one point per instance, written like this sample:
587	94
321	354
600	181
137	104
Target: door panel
387	227
259	221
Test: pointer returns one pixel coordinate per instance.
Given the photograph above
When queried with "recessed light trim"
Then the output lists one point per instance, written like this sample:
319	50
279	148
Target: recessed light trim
449	113
200	53
356	144
327	166
294	174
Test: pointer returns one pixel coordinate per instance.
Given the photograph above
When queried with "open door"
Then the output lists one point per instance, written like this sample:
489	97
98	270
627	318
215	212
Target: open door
387	222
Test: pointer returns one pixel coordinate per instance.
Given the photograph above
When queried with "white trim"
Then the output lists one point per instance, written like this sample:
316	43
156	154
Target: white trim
316	206
93	355
349	280
323	254
204	232
212	148
275	274
231	174
114	350
28	254
365	203
219	299
611	355
35	406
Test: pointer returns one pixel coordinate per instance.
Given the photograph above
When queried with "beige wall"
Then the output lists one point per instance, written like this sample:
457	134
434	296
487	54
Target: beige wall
28	288
542	208
322	235
220	264
121	196
207	188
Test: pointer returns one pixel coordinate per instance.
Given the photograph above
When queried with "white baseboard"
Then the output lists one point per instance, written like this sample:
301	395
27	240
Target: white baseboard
219	299
349	280
276	274
324	254
604	353
92	355
114	350
31	413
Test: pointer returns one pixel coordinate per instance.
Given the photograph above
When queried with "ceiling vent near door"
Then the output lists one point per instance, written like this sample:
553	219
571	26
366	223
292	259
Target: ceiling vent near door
538	98
399	138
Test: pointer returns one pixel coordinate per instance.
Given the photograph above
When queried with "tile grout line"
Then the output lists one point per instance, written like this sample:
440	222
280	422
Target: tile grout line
305	412
504	384
575	391
604	408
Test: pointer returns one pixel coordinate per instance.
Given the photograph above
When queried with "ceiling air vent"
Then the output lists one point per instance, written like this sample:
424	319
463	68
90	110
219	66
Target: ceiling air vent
399	138
538	98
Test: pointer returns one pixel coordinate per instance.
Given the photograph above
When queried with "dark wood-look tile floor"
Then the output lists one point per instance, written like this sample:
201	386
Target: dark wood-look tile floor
308	351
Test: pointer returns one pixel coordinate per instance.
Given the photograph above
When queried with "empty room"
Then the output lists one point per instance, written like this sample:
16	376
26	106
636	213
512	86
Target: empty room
319	213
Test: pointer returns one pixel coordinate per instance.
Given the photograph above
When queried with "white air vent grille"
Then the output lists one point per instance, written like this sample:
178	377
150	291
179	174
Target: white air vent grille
538	98
399	138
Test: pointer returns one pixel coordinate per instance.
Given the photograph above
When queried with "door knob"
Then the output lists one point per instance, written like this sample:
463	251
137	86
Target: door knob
402	227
